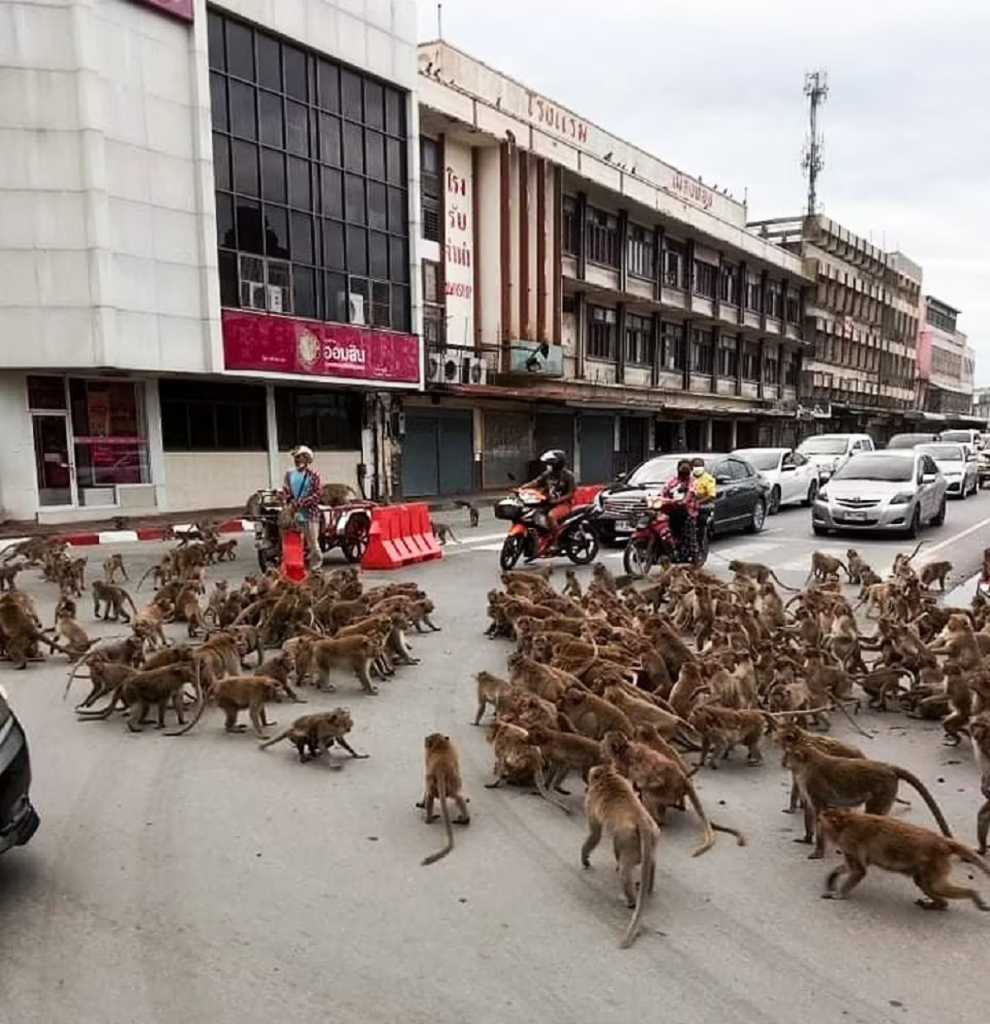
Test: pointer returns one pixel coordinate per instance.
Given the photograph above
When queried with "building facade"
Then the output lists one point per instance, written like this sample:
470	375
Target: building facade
862	323
580	293
208	238
981	404
945	362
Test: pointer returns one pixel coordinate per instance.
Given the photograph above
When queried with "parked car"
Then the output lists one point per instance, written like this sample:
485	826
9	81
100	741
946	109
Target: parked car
829	451
791	475
957	463
742	501
895	491
983	467
18	819
910	440
971	437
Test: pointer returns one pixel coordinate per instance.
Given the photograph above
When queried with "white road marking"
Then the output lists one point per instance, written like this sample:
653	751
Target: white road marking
959	536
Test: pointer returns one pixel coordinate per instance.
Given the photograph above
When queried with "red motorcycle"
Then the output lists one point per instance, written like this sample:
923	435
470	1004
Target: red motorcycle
526	510
653	540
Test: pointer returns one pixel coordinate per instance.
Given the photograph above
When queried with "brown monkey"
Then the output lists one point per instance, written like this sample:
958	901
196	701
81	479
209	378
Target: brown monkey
77	642
112	565
856	566
935	571
572	588
188	610
759	572
979	731
517	761
336	494
825	781
564	752
148	624
443	781
234	694
226	549
113	599
643	712
593	716
444	532
318	733
159	687
490	689
960	698
8	575
911	850
825	567
611	804
790	734
19	631
355	652
721	729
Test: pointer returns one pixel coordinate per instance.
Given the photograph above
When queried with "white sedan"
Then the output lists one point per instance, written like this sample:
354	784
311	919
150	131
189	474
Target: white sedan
791	476
958	464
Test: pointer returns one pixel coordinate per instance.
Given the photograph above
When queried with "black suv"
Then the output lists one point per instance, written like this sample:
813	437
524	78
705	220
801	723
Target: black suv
18	819
741	500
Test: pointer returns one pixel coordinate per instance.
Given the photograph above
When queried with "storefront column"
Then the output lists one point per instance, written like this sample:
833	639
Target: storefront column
156	447
733	435
709	428
274	469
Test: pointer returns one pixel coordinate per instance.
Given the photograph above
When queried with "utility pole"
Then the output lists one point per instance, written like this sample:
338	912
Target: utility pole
816	89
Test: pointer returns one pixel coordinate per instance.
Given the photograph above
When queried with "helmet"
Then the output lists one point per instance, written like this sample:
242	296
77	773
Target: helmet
301	449
554	457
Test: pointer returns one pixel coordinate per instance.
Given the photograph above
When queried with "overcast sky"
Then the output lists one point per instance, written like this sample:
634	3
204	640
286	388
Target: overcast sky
716	89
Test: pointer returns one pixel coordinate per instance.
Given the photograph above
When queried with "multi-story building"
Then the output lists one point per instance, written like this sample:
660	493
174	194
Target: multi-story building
862	321
945	362
580	293
208	248
981	404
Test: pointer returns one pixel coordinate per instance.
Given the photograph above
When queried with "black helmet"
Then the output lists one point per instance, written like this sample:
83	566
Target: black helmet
554	457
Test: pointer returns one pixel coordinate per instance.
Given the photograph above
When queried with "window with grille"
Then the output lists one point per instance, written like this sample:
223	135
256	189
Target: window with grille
674	264
702	350
775	299
602	235
751	361
671	345
793	307
309	165
639	338
727	356
571	228
704	279
434	314
601	333
430	180
641	252
770	368
728	284
753	293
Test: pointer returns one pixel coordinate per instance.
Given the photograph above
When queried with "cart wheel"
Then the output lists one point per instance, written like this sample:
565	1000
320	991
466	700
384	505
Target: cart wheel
354	543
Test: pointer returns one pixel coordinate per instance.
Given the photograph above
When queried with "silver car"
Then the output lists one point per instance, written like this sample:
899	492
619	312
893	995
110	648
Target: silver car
895	491
957	463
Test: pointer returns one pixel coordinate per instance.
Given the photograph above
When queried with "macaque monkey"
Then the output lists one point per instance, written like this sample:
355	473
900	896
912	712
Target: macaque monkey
8	575
611	804
490	689
935	571
77	642
856	566
979	731
721	729
825	567
20	633
444	532
593	716
443	781
314	735
234	694
564	752
920	853
572	588
112	565
159	687
473	515
355	652
758	572
113	599
226	550
603	578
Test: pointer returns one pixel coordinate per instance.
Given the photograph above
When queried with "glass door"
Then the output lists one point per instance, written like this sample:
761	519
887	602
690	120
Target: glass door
53	463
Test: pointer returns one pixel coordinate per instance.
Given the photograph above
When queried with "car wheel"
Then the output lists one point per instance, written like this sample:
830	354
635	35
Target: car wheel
939	519
759	519
774	501
912	530
963	493
812	494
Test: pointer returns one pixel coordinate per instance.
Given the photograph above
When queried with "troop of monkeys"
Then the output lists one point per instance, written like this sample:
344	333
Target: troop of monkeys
327	623
620	683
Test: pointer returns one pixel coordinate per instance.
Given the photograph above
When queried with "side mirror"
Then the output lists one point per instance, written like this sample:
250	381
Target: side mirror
622	477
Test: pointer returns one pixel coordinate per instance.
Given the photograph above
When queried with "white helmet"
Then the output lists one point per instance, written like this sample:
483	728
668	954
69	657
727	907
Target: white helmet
303	451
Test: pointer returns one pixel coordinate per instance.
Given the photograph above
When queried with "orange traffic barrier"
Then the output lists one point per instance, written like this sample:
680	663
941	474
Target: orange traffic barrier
293	556
400	535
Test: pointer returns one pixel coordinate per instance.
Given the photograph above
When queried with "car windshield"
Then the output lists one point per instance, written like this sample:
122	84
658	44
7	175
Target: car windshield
959	436
656	471
761	460
823	446
944	452
876	467
908	440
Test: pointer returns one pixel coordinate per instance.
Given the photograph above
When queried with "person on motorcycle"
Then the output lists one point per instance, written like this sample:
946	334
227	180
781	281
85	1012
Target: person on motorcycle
705	492
684	519
301	493
558	484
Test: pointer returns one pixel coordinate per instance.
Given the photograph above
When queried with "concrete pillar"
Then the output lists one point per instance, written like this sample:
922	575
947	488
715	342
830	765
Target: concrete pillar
274	468
733	435
156	447
709	430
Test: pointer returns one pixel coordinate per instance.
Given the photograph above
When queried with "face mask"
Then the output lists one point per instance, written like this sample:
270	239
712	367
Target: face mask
698	471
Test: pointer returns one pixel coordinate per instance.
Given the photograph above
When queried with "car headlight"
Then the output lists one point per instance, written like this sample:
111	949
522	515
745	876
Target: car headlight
902	498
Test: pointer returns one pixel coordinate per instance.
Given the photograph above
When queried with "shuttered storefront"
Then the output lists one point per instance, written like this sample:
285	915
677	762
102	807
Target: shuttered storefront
436	452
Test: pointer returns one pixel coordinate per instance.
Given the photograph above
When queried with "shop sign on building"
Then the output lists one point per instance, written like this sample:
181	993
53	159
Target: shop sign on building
276	344
459	244
179	8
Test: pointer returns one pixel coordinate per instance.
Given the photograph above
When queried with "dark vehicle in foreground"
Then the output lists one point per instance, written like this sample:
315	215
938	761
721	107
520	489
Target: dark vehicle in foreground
890	491
526	509
18	818
901	441
346	526
741	503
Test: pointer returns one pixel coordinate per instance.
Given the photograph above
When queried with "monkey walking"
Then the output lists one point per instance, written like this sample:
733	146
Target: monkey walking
935	571
473	515
443	780
758	572
443	532
920	853
112	565
318	733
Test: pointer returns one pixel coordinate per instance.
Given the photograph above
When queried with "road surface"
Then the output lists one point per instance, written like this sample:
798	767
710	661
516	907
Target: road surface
198	879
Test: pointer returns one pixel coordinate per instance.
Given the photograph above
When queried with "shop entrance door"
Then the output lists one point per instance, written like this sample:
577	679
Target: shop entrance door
53	461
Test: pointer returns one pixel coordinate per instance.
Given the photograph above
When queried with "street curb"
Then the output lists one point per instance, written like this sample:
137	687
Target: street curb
155	533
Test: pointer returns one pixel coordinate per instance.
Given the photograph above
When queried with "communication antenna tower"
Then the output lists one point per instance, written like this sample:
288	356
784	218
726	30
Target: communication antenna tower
813	161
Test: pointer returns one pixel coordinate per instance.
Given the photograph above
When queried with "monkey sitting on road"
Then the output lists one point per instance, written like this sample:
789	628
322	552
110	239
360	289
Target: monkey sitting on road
856	566
8	575
317	733
979	731
443	782
920	853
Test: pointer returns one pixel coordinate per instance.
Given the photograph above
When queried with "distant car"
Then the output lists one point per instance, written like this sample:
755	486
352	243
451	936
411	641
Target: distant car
18	819
893	491
829	451
899	441
957	463
970	437
983	467
743	496
791	476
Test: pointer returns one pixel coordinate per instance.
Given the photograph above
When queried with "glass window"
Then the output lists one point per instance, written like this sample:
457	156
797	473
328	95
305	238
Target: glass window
225	221
329	81
218	57
273	175
329	140
240	50
245	168
374	153
350	91
333	193
395	110
398	259
208	416
46	392
378	255
300	192
243	120
302	238
377	205
357	250
221	160
249	234
397	211
229	284
295	73
277	232
325	420
354	199
374	104
269	62
304	291
218	102
333	245
272	120
353	147
297	128
601	333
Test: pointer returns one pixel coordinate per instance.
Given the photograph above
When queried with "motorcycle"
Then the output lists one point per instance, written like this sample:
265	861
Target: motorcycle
653	541
526	511
346	526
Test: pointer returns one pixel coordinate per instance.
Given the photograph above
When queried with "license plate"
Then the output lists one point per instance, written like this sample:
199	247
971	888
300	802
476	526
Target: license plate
856	517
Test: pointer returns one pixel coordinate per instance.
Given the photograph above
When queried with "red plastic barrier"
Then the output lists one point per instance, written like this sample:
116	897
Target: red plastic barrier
293	556
423	531
400	535
587	493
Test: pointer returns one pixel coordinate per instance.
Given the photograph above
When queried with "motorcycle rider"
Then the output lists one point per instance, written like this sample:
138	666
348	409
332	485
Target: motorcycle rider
301	493
558	484
683	520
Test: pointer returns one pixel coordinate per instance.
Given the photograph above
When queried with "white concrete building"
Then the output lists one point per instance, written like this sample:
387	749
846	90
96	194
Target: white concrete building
208	234
945	362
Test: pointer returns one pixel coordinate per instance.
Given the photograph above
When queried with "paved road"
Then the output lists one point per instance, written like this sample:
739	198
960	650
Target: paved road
199	879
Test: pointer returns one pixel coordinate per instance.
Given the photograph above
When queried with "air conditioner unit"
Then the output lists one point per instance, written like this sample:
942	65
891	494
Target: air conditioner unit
356	304
275	298
253	294
477	370
434	368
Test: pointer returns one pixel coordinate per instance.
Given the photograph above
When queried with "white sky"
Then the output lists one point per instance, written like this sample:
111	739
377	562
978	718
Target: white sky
716	89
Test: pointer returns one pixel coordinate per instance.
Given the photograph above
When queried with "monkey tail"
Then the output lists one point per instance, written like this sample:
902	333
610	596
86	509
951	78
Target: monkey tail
130	600
913	780
968	856
708	836
278	737
916	550
445	814
145	576
845	569
740	836
793	590
201	707
647	870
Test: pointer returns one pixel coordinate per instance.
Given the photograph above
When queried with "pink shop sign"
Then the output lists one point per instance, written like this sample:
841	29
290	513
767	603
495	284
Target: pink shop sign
178	8
279	344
